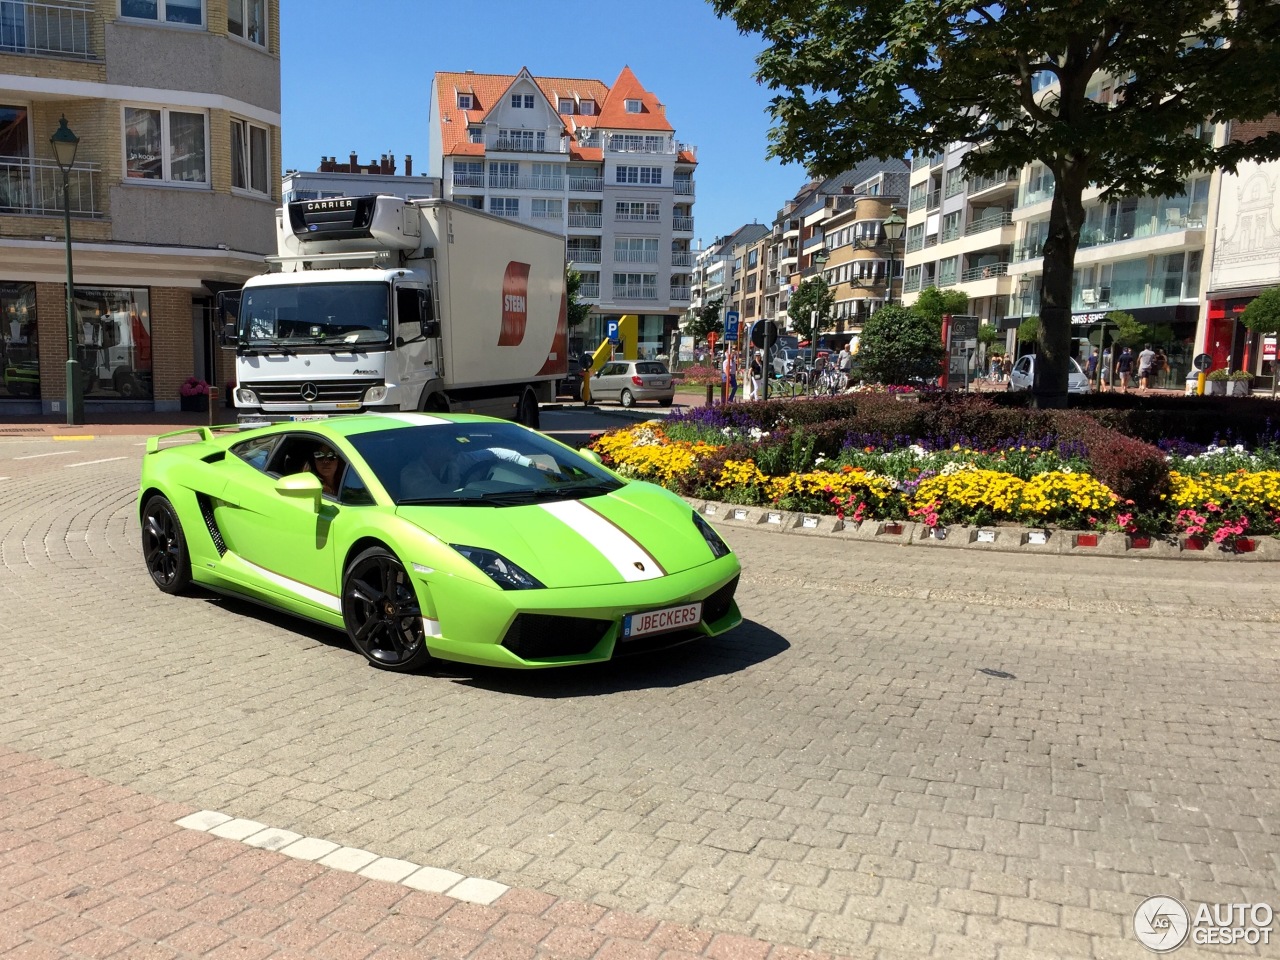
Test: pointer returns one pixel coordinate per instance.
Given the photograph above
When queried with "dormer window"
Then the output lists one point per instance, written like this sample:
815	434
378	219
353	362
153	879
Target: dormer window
566	106
466	101
475	134
522	101
633	106
587	107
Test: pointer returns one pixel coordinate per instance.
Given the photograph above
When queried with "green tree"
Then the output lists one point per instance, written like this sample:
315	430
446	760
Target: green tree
899	346
935	304
577	310
988	335
707	320
1099	92
1031	330
1129	330
1262	315
814	294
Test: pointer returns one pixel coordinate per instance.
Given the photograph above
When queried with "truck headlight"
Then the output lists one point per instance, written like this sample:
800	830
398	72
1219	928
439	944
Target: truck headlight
246	396
376	394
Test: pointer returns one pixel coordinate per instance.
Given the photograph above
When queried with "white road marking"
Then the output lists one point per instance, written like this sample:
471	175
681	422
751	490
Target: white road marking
56	453
87	463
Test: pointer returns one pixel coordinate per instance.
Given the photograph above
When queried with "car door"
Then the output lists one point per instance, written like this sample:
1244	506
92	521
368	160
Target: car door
1022	375
608	383
285	544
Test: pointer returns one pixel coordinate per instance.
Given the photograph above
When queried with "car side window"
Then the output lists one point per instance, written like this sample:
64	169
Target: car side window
354	492
1024	365
256	452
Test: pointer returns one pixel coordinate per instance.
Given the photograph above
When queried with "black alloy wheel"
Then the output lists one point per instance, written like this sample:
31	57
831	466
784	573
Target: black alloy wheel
381	612
164	548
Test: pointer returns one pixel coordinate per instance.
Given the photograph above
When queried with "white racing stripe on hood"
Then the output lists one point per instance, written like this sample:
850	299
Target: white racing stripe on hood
630	559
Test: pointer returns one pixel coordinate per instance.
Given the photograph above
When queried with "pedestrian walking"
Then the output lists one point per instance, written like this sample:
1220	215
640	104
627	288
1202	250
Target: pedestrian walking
1145	359
1124	369
757	375
1160	365
1091	365
730	370
1006	368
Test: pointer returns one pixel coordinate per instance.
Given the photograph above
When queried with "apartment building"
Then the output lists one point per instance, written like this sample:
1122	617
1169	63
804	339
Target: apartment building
176	104
351	178
596	162
863	269
750	266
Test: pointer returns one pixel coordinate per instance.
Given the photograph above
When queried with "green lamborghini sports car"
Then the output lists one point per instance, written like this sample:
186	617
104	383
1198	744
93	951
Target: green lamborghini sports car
435	536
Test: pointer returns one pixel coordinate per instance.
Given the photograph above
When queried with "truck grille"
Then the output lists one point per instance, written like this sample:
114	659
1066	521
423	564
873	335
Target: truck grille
326	391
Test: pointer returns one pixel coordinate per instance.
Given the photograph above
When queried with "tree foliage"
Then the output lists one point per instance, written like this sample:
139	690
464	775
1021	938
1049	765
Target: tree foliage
1100	92
578	312
1262	315
813	294
899	346
934	304
1129	330
1030	330
707	320
988	335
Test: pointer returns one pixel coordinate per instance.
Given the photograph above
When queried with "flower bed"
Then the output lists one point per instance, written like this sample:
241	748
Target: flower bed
946	461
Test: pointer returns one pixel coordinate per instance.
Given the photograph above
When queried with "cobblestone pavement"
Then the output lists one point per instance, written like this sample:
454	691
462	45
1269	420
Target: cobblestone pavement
903	752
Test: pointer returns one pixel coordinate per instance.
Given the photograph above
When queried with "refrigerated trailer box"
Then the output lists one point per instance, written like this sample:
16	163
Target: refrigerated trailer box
378	303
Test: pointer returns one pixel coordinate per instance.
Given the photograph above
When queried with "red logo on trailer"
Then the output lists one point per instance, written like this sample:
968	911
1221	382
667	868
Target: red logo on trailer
515	304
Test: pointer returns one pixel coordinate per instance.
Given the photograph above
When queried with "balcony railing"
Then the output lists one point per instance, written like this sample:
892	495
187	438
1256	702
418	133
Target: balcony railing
60	28
546	214
979	184
503	181
684	224
628	292
589	291
985	272
586	184
580	255
588	220
635	256
508	212
530	144
638	217
950	233
633	143
935	199
931	240
911	285
34	188
679	293
682	258
988	223
915	244
475	180
683	188
955	186
917	203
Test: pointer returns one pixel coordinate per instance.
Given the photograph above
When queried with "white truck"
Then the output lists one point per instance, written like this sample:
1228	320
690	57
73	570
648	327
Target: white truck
376	304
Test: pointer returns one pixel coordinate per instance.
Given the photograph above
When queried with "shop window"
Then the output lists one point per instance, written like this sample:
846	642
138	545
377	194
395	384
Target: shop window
114	332
19	340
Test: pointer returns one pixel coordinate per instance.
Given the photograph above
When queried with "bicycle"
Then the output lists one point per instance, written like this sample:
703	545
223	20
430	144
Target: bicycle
787	385
831	381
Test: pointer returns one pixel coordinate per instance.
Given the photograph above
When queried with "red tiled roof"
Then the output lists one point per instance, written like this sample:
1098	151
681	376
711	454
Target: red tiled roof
488	90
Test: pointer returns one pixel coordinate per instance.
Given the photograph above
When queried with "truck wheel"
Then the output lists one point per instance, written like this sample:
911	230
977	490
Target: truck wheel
528	412
127	386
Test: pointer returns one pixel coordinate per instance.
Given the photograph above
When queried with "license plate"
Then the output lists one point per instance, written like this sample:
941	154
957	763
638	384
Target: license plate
662	621
299	417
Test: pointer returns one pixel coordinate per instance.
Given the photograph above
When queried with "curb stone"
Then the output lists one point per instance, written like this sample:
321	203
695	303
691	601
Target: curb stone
1003	539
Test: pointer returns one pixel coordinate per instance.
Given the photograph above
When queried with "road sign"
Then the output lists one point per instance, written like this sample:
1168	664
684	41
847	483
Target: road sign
731	325
611	330
764	331
1202	362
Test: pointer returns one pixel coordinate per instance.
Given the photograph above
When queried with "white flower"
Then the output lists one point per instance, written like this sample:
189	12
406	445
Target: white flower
1238	448
1065	469
917	450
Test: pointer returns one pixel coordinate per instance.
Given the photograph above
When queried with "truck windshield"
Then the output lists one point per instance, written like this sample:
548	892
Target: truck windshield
331	314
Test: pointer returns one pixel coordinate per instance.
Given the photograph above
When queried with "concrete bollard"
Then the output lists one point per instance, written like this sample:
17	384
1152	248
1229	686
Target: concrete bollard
213	404
711	394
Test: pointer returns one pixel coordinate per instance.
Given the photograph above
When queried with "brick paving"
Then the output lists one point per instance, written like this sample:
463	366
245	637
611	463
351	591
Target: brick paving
902	753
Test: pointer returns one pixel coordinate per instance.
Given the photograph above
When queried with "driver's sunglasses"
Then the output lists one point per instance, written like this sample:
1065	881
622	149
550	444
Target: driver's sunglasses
324	456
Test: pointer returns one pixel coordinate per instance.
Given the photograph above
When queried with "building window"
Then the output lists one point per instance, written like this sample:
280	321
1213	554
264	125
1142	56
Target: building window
504	206
566	106
475	134
522	101
475	203
465	102
115	330
468	173
165	145
647	175
635	249
20	338
189	12
633	210
547	209
504	176
532	141
587	108
247	19
249	162
633	106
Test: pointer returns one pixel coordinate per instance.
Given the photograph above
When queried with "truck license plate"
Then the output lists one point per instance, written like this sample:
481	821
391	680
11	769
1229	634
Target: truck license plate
662	621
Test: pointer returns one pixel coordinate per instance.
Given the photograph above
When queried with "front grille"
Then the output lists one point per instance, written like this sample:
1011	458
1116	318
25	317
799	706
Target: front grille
327	391
539	637
717	605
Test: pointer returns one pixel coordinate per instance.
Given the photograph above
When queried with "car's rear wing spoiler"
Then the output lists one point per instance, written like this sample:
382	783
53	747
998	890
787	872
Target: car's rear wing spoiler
201	434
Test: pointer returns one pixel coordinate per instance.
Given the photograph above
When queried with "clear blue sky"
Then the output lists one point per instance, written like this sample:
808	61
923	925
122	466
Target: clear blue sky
356	75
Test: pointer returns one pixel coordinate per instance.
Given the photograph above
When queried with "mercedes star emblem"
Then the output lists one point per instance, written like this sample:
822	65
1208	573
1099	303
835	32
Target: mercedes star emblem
309	392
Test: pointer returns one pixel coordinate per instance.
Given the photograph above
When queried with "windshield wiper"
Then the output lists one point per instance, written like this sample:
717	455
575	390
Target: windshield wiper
480	501
572	491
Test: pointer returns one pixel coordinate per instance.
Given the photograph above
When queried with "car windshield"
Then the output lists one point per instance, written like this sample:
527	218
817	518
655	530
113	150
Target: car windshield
477	464
316	314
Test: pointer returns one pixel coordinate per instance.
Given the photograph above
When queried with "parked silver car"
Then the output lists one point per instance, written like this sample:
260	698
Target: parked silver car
1023	376
630	381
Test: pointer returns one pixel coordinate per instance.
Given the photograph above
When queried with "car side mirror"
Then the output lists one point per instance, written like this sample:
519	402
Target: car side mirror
591	455
301	486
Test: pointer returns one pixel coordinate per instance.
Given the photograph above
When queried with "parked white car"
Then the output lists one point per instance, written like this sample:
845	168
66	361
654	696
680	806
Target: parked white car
1023	376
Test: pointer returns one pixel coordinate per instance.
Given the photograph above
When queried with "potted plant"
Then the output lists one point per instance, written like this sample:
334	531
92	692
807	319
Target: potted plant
1238	383
193	395
1216	383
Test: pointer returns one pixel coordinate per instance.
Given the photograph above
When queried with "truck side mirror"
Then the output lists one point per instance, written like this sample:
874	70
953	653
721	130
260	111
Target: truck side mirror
228	307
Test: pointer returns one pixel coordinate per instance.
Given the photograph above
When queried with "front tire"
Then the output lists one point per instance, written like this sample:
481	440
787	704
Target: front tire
627	399
381	612
164	547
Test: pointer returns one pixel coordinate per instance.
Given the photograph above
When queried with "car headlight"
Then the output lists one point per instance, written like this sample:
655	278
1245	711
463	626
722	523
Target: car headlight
376	394
718	547
499	569
246	396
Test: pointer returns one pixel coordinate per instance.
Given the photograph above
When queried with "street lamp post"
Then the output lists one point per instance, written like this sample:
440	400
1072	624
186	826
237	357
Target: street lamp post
64	144
820	258
893	226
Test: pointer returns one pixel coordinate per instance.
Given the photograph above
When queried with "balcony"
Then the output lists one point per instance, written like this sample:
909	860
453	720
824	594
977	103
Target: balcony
526	144
34	188
679	294
988	223
682	258
916	203
981	184
935	199
814	242
57	28
683	188
589	291
473	180
639	217
586	184
589	221
584	255
632	292
951	232
635	256
911	285
915	244
984	272
635	143
507	182
682	224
